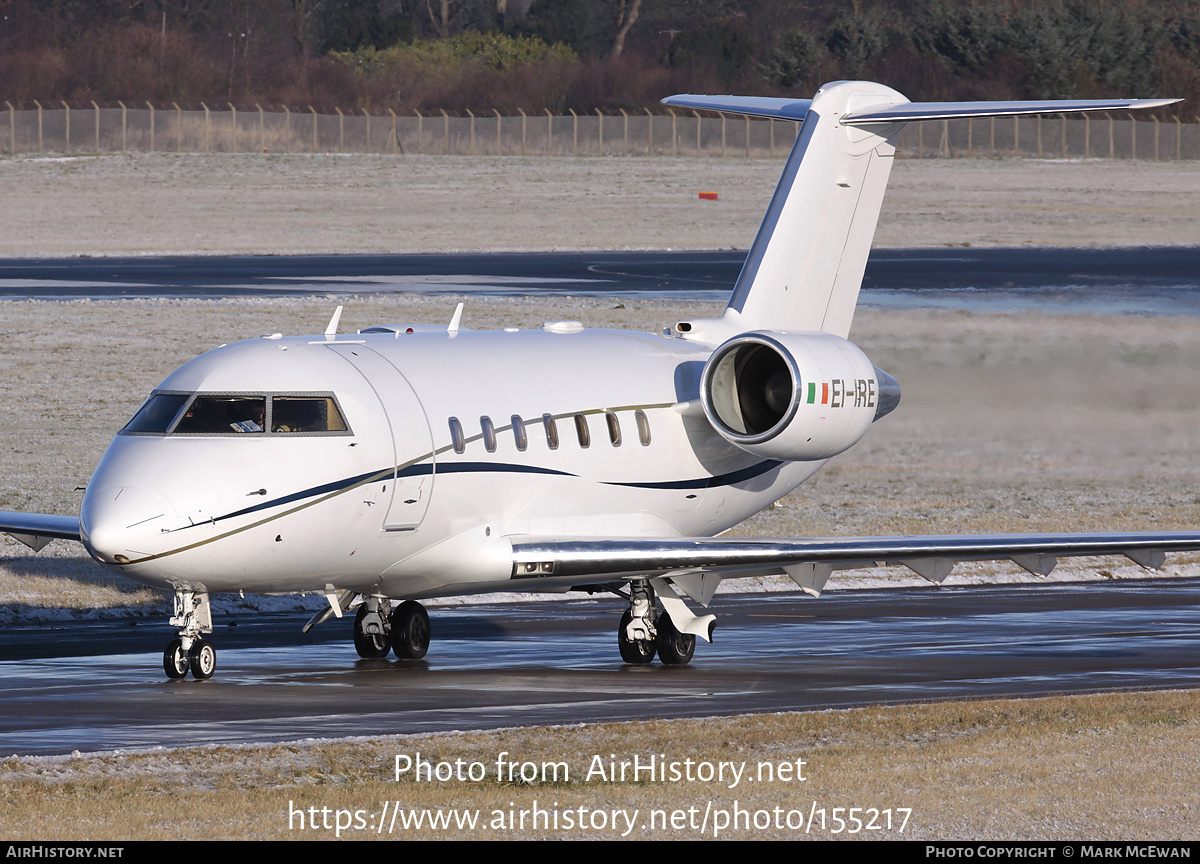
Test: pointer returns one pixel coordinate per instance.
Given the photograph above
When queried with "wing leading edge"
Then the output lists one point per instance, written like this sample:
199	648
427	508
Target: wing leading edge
810	561
35	530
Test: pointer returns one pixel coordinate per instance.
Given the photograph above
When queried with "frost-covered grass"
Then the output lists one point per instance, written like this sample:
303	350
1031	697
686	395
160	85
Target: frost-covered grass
168	203
1090	768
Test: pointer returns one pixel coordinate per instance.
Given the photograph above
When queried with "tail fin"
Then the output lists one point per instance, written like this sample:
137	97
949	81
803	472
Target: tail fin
806	264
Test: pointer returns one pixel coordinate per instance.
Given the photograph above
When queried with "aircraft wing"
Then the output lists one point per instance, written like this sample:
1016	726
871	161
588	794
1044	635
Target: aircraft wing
809	562
35	530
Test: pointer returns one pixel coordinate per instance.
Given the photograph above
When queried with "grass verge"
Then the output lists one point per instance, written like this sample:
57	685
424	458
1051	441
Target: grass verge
1094	767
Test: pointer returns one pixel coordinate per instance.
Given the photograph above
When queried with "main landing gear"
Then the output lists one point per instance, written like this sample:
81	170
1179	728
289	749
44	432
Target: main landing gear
190	651
643	632
405	630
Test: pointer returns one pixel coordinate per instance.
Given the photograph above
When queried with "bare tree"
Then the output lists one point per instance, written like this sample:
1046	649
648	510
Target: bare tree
444	16
304	20
627	14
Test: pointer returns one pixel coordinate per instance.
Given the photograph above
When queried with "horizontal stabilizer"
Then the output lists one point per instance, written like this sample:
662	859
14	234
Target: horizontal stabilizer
751	106
909	112
913	111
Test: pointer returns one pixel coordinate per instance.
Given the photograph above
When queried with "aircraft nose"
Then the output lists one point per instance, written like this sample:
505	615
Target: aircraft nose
117	523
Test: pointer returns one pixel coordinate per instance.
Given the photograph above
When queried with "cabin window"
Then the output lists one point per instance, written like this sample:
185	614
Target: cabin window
643	426
456	436
489	434
614	428
581	430
157	414
305	414
209	415
551	431
518	427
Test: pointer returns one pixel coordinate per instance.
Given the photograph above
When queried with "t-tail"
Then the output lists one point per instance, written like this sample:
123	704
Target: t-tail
805	268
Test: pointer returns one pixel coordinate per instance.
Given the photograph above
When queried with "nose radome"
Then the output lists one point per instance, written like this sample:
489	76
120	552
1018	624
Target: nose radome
118	521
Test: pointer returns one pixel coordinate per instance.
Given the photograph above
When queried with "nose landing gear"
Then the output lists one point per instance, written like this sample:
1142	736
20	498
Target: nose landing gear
190	651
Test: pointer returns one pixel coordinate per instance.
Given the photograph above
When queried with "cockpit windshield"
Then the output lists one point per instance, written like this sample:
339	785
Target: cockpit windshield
157	415
238	414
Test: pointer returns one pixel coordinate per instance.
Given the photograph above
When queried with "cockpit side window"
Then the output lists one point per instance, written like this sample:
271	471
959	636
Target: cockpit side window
156	416
305	414
224	414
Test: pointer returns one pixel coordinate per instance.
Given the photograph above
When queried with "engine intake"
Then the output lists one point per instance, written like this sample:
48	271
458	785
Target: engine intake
794	396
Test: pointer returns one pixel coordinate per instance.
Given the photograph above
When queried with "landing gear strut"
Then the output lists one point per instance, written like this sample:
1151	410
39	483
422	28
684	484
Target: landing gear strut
643	632
191	651
634	651
371	639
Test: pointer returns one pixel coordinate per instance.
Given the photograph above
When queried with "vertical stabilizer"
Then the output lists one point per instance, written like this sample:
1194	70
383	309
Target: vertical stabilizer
807	262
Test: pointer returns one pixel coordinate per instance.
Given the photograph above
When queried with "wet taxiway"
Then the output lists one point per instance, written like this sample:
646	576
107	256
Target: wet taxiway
99	686
1161	281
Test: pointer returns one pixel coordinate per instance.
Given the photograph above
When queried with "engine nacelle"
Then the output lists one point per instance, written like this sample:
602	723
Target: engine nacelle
794	396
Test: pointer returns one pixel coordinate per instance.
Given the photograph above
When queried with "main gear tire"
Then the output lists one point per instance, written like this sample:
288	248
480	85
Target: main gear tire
674	648
410	630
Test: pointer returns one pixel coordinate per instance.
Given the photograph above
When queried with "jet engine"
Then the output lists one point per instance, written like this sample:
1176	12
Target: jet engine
794	396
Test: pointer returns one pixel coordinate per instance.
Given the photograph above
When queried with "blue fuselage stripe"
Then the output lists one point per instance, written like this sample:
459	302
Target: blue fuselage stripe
444	468
708	482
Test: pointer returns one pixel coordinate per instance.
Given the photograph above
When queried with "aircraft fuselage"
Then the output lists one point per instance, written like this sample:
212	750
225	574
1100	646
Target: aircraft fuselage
453	443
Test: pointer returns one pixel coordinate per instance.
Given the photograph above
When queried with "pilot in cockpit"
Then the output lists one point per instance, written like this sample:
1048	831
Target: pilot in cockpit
254	423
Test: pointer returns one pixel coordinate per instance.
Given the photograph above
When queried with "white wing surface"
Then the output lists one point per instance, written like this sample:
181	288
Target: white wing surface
810	561
35	530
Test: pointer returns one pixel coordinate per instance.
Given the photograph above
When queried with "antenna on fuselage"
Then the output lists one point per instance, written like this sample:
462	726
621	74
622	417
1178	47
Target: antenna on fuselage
454	319
331	328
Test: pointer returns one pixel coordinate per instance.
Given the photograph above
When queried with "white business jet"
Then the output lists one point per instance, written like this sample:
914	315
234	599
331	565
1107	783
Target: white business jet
410	462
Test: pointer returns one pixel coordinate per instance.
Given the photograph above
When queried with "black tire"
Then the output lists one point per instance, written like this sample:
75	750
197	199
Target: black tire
410	630
175	660
633	653
202	658
674	648
369	645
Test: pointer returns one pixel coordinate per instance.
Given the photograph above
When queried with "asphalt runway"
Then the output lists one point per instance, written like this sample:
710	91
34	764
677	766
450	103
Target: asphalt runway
1164	281
99	686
